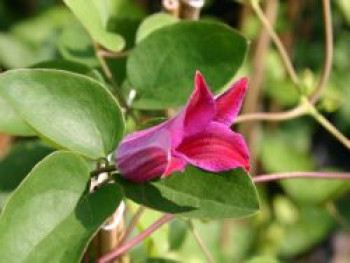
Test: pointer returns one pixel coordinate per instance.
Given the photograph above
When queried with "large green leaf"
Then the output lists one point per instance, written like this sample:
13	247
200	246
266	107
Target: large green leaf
71	110
17	164
93	15
49	218
152	23
161	68
196	193
11	122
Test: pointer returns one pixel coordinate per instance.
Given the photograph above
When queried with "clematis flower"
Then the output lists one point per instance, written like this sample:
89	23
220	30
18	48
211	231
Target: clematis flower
199	135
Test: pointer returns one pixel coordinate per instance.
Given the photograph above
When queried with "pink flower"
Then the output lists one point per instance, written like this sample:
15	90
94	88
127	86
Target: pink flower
199	135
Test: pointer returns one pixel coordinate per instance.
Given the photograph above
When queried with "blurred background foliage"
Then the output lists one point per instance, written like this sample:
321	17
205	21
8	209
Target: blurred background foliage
300	220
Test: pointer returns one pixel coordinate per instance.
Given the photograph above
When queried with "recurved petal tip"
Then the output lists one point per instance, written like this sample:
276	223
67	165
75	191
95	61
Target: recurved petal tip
229	103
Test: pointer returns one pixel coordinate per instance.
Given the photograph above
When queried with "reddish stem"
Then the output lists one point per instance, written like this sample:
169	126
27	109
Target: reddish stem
293	175
121	250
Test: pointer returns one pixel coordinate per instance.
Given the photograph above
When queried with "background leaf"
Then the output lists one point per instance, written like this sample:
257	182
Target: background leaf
86	118
48	219
196	193
161	68
177	233
94	17
17	164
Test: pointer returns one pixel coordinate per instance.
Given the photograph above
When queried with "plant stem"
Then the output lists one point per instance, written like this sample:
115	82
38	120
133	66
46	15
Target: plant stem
276	40
132	224
329	126
294	175
108	73
327	67
300	110
121	250
107	54
106	169
200	242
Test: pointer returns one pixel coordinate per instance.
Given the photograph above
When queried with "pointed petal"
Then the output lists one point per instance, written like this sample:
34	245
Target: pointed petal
145	155
229	103
215	149
200	108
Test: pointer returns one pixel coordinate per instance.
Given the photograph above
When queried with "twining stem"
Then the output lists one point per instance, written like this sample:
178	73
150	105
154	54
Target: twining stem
200	243
132	224
121	250
108	73
107	54
329	127
298	111
276	40
327	67
294	175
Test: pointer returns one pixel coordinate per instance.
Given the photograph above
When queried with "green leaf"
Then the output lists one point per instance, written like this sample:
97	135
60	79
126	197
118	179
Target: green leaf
342	211
152	23
74	44
312	227
94	17
161	260
161	68
14	53
177	233
71	110
11	122
70	66
263	259
48	219
199	194
17	164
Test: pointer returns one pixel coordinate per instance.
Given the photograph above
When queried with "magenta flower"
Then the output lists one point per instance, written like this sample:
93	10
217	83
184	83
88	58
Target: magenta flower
199	135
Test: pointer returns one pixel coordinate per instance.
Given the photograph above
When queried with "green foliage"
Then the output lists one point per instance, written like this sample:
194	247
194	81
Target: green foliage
161	68
177	234
50	217
17	164
86	118
287	150
152	23
94	17
198	194
74	44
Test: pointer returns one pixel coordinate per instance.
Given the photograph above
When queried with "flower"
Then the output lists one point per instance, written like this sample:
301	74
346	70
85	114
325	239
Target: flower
199	135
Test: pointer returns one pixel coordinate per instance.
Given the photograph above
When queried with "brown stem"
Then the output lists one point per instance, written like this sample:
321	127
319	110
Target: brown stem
327	67
200	243
172	7
121	250
276	40
107	54
132	225
273	116
294	175
191	9
108	73
251	104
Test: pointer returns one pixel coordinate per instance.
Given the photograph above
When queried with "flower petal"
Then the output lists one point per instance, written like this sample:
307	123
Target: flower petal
145	155
200	108
215	149
229	103
176	164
